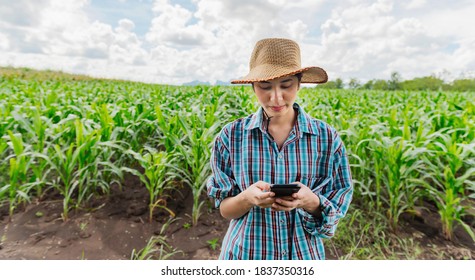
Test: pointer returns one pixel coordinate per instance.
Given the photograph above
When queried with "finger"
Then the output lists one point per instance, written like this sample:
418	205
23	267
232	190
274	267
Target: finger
265	195
263	185
285	203
276	207
279	207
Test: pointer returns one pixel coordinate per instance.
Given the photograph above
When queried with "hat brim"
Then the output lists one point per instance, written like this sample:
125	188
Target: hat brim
310	75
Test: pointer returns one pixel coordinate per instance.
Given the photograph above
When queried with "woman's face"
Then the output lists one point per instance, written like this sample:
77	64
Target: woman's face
277	96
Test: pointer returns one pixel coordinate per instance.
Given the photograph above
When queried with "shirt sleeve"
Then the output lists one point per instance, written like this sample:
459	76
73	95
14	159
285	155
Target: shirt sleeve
221	183
335	197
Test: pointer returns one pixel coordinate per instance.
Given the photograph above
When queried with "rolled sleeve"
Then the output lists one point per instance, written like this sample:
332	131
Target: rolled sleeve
334	201
221	183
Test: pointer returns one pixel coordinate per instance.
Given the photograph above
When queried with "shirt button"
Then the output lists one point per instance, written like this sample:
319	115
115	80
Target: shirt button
280	156
282	221
284	253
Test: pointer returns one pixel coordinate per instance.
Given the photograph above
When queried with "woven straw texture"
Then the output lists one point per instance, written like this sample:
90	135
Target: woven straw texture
277	57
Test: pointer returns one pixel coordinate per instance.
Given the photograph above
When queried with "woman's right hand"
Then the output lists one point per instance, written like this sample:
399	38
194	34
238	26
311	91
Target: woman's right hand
258	194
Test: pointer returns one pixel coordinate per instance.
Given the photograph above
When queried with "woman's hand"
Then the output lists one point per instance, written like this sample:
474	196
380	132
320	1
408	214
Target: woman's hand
258	194
304	199
255	195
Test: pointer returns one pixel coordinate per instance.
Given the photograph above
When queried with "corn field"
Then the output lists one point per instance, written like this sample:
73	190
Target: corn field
76	138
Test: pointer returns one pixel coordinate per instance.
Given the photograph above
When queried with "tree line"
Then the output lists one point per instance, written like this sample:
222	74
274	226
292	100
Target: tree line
396	83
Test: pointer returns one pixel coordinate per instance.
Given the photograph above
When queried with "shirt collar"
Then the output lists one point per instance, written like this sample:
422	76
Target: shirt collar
256	120
304	122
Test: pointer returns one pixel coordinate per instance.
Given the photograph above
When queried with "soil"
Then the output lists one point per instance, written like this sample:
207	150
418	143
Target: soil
113	226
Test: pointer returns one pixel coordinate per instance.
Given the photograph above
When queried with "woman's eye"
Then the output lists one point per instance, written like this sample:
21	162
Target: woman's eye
286	86
265	88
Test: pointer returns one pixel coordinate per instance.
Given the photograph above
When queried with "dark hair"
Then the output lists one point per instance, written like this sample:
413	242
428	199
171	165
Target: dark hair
299	76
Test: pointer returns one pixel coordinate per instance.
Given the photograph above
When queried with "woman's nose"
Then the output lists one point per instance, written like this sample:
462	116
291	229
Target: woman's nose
276	94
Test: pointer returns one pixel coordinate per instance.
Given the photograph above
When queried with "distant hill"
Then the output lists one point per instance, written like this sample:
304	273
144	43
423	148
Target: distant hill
221	83
196	83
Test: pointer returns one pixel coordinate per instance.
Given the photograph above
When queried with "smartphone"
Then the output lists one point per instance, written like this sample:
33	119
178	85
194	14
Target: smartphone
284	189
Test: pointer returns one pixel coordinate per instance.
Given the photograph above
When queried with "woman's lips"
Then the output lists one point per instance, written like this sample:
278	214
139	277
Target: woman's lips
277	108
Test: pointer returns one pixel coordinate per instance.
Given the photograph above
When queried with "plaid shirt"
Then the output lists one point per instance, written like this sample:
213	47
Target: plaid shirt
313	154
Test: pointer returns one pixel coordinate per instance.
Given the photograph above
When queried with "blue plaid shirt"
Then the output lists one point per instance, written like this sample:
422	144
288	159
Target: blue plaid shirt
313	154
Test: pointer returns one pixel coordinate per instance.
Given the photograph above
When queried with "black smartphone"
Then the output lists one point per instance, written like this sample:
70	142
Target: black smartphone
284	189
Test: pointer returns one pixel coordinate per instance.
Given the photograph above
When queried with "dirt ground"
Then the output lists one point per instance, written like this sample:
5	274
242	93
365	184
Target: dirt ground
113	226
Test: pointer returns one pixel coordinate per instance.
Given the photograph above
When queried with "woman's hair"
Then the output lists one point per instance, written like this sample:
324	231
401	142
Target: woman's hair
299	76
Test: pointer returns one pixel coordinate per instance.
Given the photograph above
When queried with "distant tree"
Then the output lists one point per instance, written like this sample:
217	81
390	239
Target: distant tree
354	83
339	83
463	85
394	83
329	85
424	83
336	84
380	85
368	85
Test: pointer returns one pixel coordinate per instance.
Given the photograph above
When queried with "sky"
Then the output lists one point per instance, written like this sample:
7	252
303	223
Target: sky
179	41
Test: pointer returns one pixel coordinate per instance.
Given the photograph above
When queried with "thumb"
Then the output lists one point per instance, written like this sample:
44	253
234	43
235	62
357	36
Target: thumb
263	186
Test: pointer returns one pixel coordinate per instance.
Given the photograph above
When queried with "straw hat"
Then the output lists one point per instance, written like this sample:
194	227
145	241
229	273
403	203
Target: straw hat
275	58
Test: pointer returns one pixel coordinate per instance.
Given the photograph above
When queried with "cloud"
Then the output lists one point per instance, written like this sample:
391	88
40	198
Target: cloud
171	26
212	40
369	41
20	13
215	41
4	42
415	4
63	28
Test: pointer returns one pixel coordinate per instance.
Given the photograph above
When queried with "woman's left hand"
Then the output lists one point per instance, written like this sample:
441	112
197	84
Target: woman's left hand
304	198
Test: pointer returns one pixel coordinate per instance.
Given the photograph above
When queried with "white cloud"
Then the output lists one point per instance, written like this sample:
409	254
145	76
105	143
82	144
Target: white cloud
458	21
4	42
171	26
215	42
20	13
368	41
126	24
415	4
212	40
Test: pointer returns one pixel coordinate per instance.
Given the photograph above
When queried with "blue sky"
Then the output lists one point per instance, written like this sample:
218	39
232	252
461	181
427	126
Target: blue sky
111	11
178	41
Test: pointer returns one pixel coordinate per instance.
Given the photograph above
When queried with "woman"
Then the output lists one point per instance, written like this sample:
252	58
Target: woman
279	144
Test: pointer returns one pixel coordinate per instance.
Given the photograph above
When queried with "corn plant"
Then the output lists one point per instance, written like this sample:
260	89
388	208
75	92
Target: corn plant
157	247
87	153
64	162
133	124
36	131
196	152
105	119
17	190
169	128
447	181
155	177
3	167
